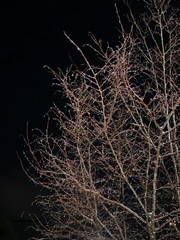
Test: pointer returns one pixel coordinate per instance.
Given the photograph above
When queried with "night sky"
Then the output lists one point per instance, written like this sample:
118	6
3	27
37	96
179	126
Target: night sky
31	37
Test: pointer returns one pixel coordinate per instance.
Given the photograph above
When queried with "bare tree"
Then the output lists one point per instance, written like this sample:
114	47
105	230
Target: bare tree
112	167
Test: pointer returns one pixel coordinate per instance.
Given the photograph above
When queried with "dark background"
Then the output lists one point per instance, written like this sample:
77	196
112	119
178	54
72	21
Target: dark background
31	37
